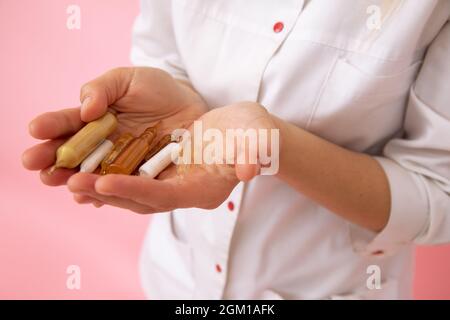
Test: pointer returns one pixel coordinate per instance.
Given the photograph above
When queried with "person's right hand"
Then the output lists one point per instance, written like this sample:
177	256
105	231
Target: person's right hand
142	97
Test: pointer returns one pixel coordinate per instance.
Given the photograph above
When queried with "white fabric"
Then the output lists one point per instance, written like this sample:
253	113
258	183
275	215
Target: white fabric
329	73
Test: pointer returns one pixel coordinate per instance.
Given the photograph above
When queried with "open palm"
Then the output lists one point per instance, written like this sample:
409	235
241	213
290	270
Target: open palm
188	185
141	97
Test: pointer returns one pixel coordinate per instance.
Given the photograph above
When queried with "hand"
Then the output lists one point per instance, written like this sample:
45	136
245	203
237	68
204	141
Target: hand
141	96
199	185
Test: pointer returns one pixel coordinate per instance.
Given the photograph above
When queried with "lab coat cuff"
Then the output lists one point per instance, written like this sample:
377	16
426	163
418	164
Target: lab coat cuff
408	214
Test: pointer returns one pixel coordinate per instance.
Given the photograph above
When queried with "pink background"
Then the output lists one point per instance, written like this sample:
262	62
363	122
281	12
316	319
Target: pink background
42	231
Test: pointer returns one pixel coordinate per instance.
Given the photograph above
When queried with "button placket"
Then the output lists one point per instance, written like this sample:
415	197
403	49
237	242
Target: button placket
224	226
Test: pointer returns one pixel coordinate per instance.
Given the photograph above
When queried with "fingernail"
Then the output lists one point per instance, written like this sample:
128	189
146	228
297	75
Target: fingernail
86	102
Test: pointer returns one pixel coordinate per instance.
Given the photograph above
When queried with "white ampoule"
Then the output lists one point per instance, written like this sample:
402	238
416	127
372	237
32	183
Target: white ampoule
160	161
93	160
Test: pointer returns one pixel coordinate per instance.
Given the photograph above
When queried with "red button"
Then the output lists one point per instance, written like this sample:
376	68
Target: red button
230	206
278	27
218	268
378	253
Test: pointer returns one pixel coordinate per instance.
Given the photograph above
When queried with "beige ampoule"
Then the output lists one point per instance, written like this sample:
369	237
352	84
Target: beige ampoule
81	144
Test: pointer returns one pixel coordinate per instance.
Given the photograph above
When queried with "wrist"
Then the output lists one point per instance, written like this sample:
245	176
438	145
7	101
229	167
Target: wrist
290	146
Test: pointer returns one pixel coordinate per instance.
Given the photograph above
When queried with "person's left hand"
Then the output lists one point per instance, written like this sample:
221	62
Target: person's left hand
197	185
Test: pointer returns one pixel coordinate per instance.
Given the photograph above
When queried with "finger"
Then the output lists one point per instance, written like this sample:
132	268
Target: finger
84	183
41	156
52	125
56	178
119	203
84	199
98	94
160	195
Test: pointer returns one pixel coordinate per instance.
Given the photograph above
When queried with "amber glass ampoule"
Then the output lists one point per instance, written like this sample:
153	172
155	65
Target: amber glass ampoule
134	153
120	145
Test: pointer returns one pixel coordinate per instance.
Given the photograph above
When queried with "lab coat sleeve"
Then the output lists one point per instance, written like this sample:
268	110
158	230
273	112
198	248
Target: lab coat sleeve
418	164
153	39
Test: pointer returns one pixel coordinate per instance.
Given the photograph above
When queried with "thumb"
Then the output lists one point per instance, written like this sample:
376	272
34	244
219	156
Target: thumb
246	167
246	172
98	94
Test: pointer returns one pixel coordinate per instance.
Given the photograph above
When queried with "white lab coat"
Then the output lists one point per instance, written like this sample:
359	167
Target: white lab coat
328	70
